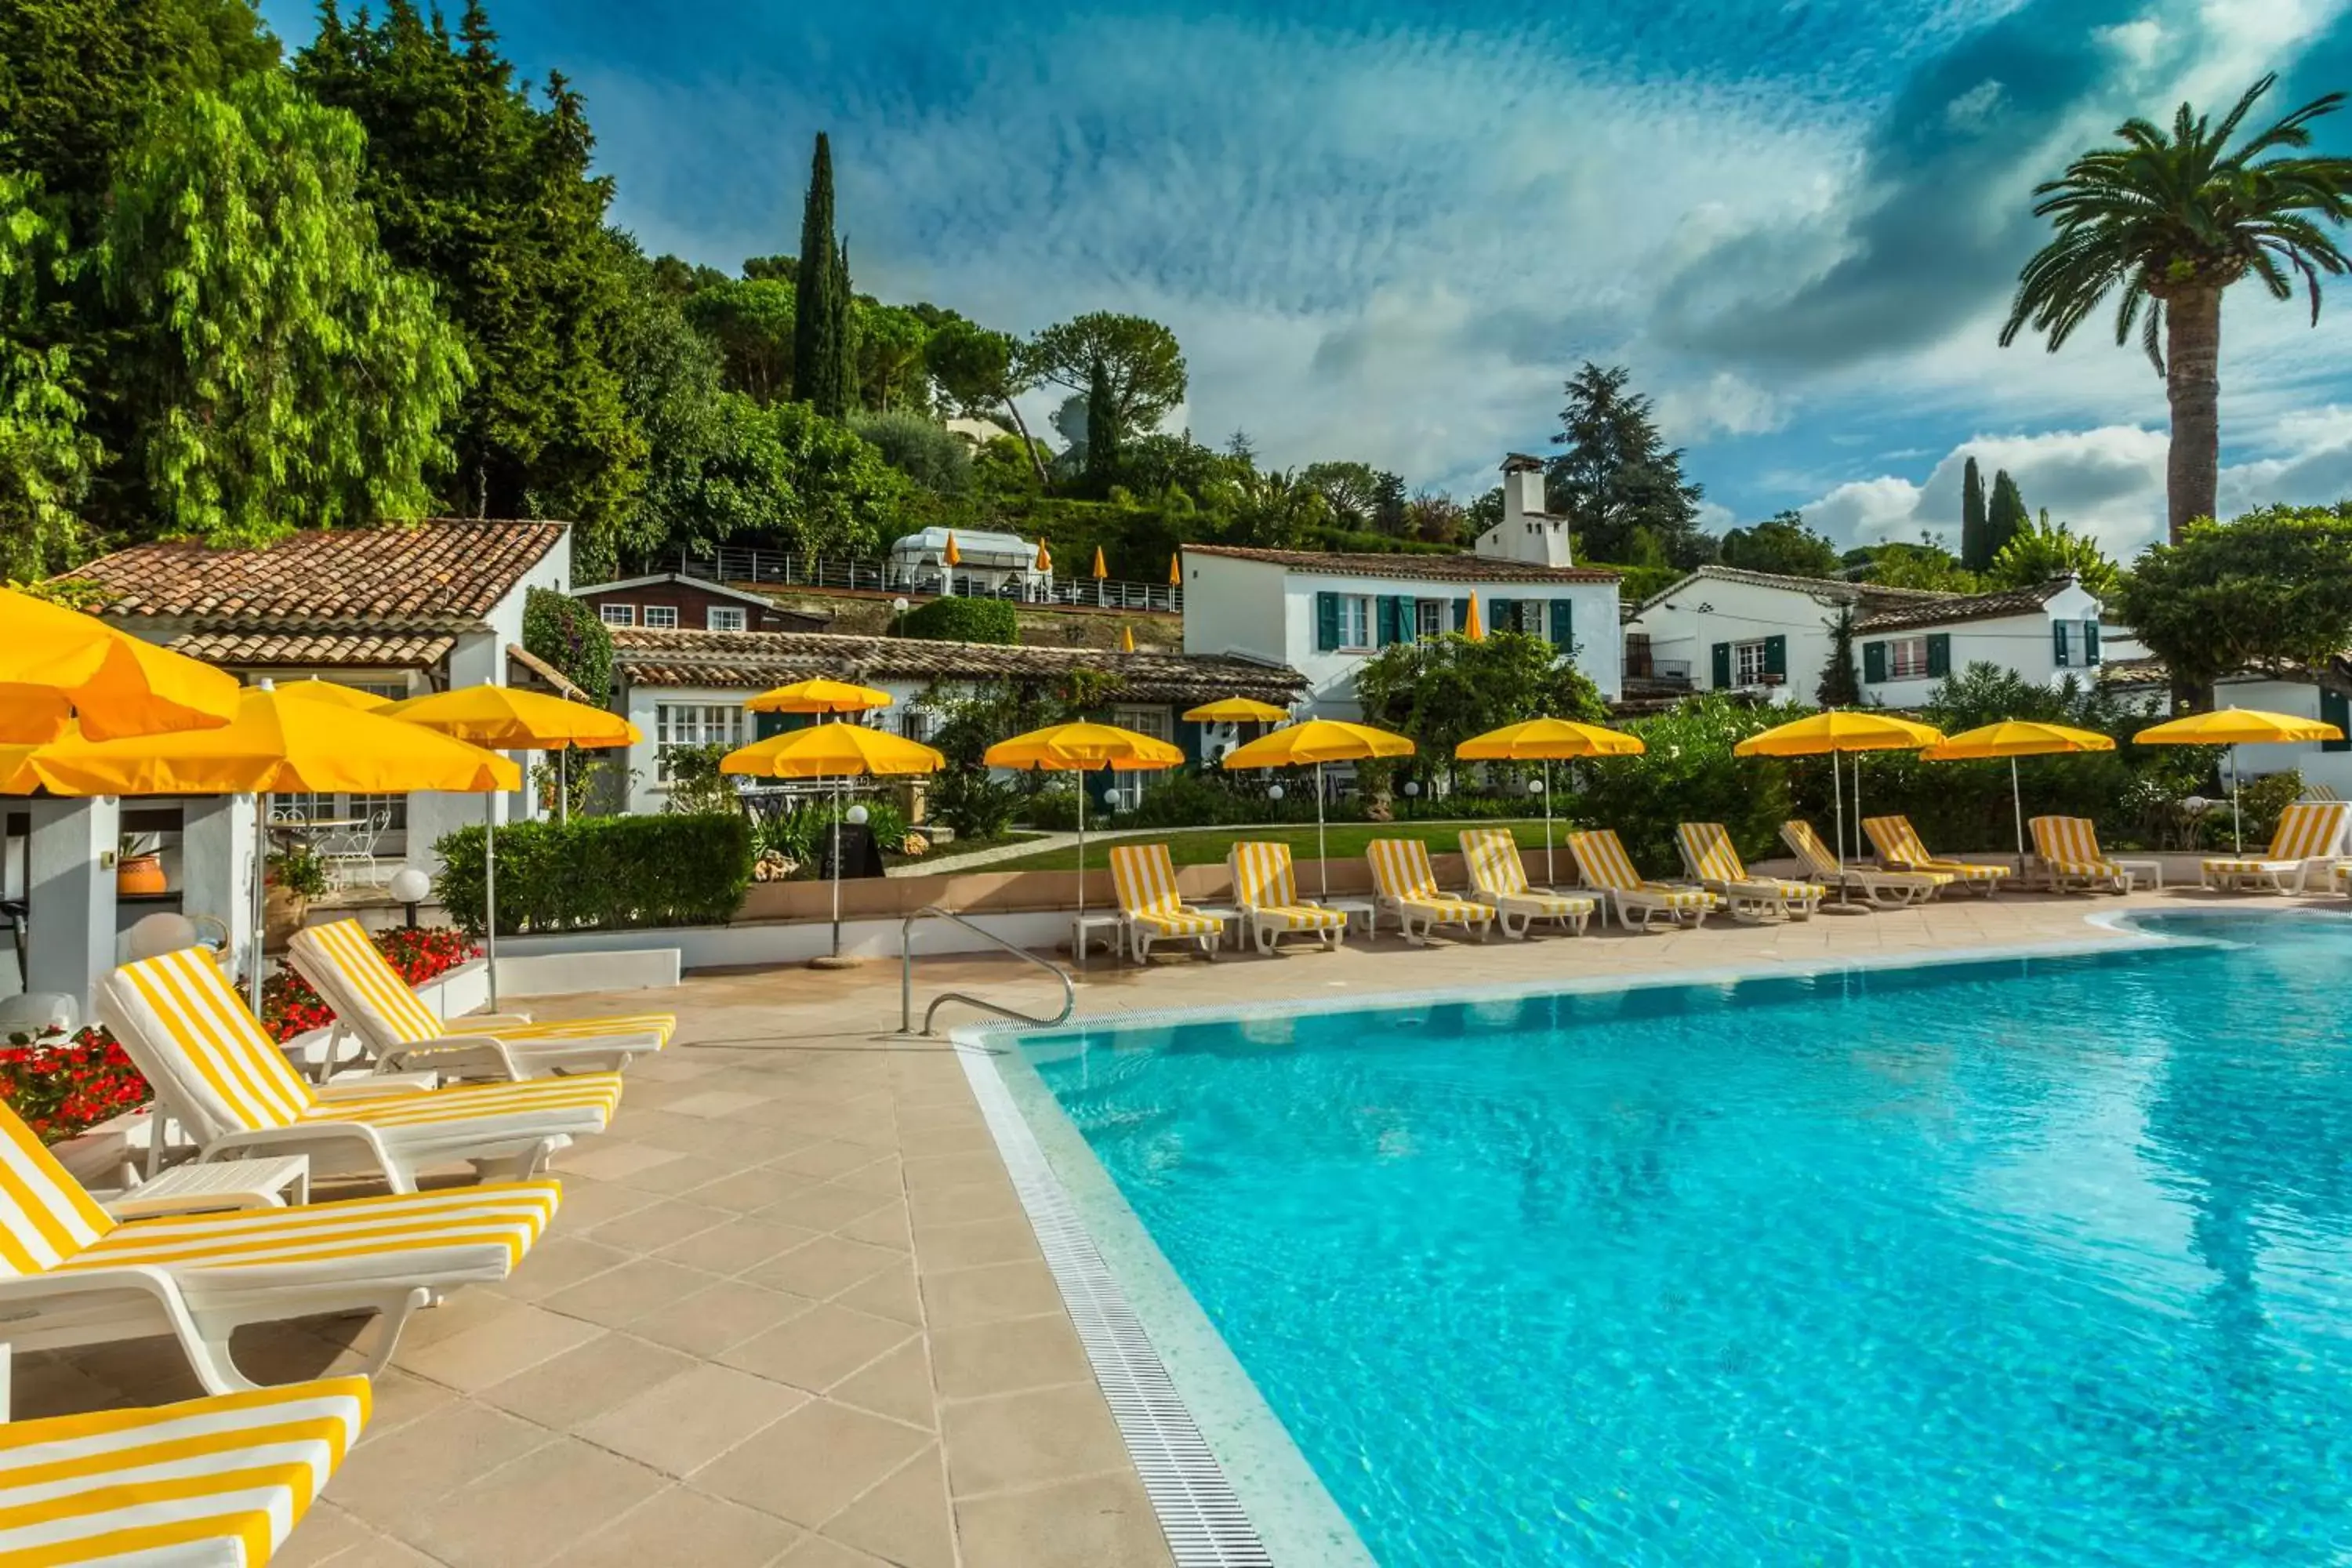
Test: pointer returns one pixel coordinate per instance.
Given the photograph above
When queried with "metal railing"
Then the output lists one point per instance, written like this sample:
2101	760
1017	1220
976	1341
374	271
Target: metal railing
791	570
907	978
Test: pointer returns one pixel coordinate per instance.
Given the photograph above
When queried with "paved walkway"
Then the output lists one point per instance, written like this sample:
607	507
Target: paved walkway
791	1312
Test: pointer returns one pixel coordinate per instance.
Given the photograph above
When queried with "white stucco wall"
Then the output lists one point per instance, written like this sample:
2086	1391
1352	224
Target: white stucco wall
2300	699
2024	644
1684	627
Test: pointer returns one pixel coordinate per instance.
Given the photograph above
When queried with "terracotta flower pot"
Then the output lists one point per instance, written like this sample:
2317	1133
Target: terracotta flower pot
282	914
139	874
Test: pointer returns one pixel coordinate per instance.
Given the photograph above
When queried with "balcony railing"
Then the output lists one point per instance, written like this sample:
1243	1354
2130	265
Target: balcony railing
790	569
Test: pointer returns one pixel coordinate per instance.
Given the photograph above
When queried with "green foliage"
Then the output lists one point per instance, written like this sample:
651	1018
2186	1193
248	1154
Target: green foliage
299	871
982	371
1927	564
1102	430
1783	545
1352	493
601	872
802	834
240	242
46	455
2270	592
891	375
1617	477
974	805
751	323
1840	683
1443	690
2047	551
1140	360
1976	544
697	787
1689	774
1182	797
2005	517
919	447
823	352
955	619
788	475
568	635
670	381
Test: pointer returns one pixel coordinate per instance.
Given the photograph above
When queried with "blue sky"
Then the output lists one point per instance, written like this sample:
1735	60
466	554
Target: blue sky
1389	229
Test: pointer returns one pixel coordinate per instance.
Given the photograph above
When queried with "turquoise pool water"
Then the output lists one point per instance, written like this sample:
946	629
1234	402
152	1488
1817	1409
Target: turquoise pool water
2035	1261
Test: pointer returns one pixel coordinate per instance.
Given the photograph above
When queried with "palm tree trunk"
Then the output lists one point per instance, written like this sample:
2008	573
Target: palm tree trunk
2192	354
1027	446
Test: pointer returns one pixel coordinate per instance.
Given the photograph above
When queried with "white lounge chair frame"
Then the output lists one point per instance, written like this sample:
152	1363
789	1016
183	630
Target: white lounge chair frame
1265	889
1498	879
2308	840
1405	883
1604	867
2067	848
1880	889
1711	861
1149	907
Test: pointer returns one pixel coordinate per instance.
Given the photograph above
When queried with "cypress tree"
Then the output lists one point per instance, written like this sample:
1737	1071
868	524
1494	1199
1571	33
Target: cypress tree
817	357
1973	554
1102	429
2005	517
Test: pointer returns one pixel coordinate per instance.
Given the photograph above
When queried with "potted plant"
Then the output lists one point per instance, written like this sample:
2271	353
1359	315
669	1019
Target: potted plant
137	869
290	879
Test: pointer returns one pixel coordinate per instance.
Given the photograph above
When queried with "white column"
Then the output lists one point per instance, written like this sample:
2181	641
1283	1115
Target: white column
216	850
70	944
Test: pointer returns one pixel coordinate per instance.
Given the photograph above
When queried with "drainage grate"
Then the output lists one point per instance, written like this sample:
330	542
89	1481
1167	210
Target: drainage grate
1197	1511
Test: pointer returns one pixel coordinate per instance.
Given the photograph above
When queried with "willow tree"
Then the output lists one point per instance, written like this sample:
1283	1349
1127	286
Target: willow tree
2173	220
285	375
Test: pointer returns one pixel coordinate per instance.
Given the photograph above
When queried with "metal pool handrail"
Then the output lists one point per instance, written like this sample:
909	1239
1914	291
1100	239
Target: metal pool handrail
907	978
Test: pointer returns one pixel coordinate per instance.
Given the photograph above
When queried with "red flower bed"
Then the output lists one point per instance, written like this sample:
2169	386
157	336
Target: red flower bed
62	1084
289	1008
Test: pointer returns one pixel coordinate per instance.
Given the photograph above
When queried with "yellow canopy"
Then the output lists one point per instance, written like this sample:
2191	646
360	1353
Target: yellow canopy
278	745
1083	745
832	751
2236	727
1548	740
56	662
508	718
953	557
1236	710
1319	740
819	697
317	690
1840	729
2017	738
1126	639
1100	570
1044	557
1473	627
18	774
1176	571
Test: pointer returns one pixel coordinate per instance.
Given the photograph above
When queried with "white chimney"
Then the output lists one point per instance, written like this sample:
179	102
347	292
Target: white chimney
1527	532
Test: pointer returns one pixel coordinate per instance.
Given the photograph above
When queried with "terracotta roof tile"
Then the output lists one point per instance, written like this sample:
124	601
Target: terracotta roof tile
1869	596
1463	568
327	646
755	660
1944	611
440	569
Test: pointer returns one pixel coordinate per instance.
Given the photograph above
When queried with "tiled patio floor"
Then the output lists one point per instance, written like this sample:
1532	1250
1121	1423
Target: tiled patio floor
791	1313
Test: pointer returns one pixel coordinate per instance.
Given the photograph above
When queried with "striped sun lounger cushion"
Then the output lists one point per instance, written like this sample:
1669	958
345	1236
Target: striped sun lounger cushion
376	985
1897	843
1266	884
1708	845
184	998
2307	830
1401	870
1496	869
2070	845
1600	856
1146	879
205	1483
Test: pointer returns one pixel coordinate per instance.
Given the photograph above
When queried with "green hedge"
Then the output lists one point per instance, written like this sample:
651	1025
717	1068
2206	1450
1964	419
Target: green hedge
954	619
602	872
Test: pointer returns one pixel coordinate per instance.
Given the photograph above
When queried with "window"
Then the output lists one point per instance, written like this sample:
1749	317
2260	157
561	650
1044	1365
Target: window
1748	663
914	724
694	725
617	615
1907	659
1428	618
367	805
727	618
1355	621
662	617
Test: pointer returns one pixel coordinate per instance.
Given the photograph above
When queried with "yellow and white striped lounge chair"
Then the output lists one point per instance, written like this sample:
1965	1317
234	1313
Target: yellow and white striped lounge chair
1602	863
2068	848
214	1069
1149	904
1498	878
1714	863
217	1482
402	1033
1266	889
1899	849
71	1274
1405	882
1882	889
2310	834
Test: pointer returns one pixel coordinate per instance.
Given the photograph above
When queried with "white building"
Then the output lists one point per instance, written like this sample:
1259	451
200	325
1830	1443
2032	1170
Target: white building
1527	532
2326	765
1722	628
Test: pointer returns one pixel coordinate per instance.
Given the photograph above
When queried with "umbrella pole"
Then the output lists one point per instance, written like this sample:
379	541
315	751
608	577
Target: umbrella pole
1551	877
563	784
1322	856
2237	823
1857	807
2017	804
1082	864
260	864
491	892
1837	792
836	870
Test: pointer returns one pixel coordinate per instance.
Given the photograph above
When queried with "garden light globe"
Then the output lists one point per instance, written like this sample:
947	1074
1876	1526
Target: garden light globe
855	815
1274	792
1535	786
410	886
1412	788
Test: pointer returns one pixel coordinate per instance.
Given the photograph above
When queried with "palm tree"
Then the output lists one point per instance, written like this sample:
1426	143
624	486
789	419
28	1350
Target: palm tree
2174	220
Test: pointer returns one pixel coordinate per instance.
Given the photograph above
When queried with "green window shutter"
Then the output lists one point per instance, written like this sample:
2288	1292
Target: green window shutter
1940	654
1873	661
1187	736
1720	666
1461	614
1563	624
2090	642
1326	622
1385	612
1500	617
2058	642
2336	709
1776	656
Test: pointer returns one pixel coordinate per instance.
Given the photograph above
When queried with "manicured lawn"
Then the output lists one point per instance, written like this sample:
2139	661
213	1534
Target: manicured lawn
1345	840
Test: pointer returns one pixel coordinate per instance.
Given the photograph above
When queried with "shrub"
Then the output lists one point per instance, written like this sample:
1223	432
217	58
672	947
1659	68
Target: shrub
1186	799
60	1085
954	619
697	787
299	871
802	834
919	447
971	805
1462	806
566	633
1054	810
1689	774
602	872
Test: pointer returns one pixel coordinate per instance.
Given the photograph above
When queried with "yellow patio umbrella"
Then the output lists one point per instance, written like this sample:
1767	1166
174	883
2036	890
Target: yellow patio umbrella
1176	571
1319	740
56	663
509	719
1126	639
1473	627
317	690
2012	739
1082	747
836	751
2235	727
1045	562
274	746
1236	710
954	556
1836	731
818	696
1548	740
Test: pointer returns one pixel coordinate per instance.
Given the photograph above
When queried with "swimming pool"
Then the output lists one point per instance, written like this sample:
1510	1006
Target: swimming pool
2040	1261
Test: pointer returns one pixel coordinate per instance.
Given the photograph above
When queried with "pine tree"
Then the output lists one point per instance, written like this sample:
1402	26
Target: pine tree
2005	517
1840	683
1617	481
823	372
1974	554
1102	430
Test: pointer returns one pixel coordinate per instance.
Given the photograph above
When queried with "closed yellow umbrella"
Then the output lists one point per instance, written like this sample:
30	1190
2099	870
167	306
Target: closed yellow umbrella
1319	740
1473	627
1841	730
954	556
1236	710
2012	739
2235	727
1126	639
1100	570
1548	740
1176	571
56	663
819	695
509	719
317	690
1045	562
1082	747
833	751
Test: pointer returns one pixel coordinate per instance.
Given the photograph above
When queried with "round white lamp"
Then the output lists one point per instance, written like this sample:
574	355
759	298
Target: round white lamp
1412	788
857	815
411	886
1274	792
157	934
1110	800
1535	786
2196	804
